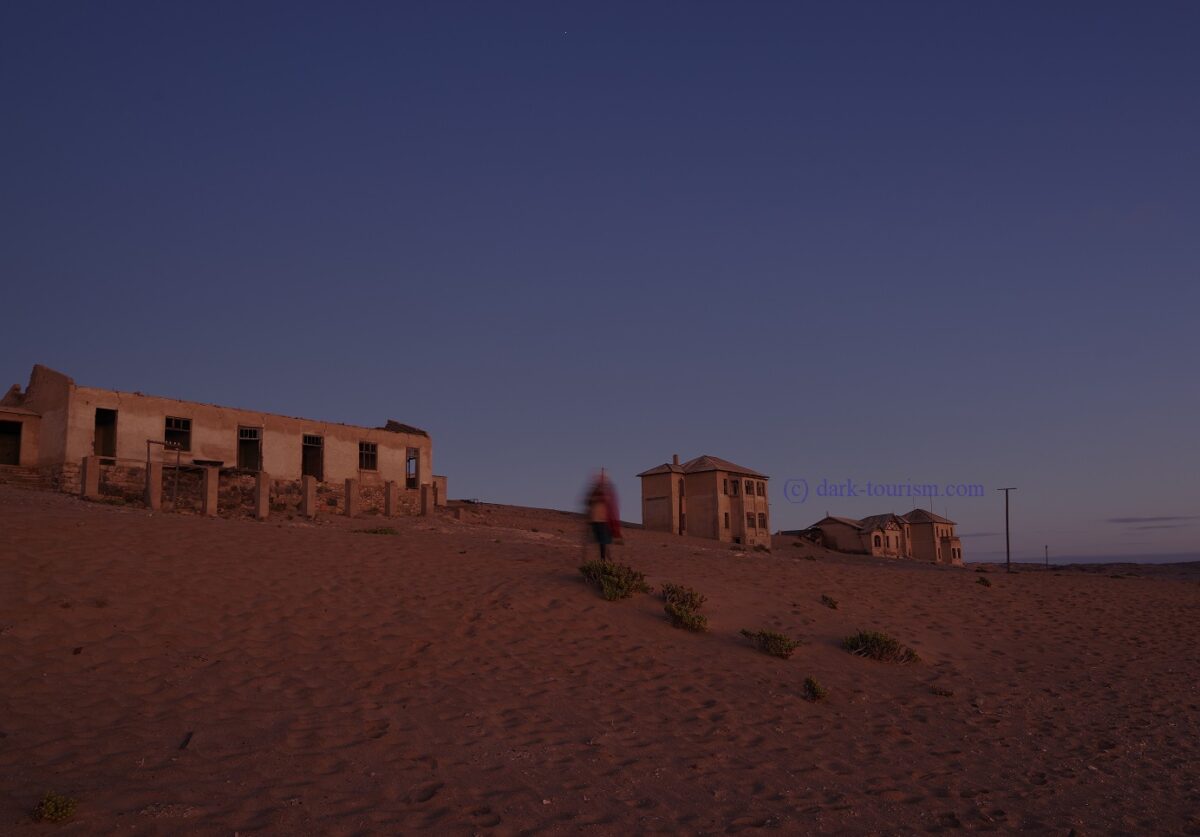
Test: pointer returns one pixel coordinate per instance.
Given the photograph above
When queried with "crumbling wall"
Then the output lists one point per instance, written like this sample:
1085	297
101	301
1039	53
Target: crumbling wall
67	477
236	491
183	489
126	483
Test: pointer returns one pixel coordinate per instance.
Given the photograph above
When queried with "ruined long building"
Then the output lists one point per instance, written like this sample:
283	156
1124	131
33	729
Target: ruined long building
127	446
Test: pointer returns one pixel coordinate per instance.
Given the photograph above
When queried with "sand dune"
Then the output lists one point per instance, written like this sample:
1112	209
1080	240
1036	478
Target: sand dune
458	677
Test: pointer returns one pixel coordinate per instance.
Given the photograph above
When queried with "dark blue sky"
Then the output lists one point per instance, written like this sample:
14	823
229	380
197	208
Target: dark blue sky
951	242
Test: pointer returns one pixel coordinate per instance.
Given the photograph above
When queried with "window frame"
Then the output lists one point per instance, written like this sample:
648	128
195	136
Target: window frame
174	444
368	452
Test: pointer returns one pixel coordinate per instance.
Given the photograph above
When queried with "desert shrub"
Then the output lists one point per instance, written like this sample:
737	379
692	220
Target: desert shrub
759	547
814	691
809	557
54	807
331	502
879	646
616	581
829	601
685	597
686	618
770	642
683	607
378	530
942	691
984	581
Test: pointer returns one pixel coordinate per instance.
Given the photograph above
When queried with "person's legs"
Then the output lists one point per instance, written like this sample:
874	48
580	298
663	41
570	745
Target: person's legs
600	533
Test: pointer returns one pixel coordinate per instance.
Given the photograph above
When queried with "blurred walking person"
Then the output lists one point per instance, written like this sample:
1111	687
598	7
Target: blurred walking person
602	514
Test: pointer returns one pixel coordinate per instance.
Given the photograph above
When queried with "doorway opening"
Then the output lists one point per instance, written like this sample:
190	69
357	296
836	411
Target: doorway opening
312	457
250	448
104	442
10	443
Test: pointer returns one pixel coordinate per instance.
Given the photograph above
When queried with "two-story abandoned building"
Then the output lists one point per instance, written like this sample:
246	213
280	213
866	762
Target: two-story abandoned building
707	497
919	535
54	424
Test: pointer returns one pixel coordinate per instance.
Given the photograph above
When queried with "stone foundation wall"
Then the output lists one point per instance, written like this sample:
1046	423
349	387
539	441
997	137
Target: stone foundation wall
66	478
235	493
123	482
182	491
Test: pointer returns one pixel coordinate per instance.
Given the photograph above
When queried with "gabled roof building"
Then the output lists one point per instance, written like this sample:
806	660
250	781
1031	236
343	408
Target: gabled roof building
707	497
919	535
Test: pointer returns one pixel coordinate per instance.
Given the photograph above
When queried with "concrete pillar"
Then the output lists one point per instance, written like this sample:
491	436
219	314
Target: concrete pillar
350	505
391	499
308	496
262	496
90	478
154	485
426	499
212	482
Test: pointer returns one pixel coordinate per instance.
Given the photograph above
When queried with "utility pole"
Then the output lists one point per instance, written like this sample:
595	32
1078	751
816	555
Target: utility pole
1007	542
1047	548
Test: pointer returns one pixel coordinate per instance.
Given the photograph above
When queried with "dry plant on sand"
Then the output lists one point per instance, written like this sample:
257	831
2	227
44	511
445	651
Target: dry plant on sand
879	646
773	643
683	607
54	807
615	581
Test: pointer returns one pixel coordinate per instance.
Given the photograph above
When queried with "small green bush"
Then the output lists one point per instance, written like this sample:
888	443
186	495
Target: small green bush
814	691
54	807
331	502
686	618
760	547
829	601
879	646
683	607
685	597
984	581
378	530
616	581
770	642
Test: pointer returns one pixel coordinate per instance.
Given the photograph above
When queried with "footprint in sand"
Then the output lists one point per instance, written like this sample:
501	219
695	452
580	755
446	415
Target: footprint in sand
423	792
484	817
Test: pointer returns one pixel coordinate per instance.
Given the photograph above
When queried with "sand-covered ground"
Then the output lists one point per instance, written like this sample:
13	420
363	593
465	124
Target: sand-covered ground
458	677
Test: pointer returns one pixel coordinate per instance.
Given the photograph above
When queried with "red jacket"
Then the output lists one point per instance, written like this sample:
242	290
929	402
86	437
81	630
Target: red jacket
614	515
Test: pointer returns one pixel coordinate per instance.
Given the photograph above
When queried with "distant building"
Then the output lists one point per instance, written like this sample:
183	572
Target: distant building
707	497
919	535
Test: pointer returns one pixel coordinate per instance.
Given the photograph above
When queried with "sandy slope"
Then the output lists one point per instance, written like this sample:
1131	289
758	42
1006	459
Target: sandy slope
458	677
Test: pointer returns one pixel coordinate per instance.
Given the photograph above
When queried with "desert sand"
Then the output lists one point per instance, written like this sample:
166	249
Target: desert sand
181	675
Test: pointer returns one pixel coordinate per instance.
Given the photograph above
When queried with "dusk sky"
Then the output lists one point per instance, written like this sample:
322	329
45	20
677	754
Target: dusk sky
897	242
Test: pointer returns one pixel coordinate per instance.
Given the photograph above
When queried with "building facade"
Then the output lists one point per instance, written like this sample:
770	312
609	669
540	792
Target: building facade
919	535
707	497
54	424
